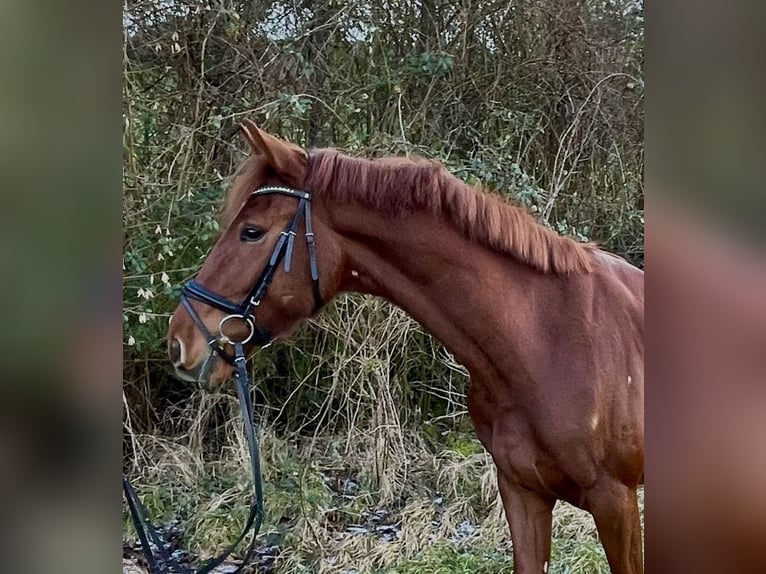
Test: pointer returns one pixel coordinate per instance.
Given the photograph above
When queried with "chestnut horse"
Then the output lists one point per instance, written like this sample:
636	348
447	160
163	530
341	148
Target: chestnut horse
551	330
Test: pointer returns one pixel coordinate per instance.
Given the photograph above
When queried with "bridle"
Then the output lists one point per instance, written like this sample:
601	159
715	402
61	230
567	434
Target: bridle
244	311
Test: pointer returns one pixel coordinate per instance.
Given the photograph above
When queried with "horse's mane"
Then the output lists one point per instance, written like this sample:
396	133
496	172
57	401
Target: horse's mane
398	186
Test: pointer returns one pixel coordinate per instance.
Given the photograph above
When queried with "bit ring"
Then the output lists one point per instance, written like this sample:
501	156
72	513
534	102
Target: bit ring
247	320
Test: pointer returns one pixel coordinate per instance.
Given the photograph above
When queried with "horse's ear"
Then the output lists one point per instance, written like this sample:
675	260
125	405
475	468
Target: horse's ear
287	159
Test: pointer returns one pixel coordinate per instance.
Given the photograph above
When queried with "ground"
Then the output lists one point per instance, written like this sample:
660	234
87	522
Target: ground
349	505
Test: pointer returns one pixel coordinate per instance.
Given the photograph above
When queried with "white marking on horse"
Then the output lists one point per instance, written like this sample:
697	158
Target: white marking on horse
181	351
354	273
594	421
630	379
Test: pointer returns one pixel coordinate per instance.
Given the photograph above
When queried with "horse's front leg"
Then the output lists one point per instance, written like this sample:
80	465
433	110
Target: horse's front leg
615	509
530	516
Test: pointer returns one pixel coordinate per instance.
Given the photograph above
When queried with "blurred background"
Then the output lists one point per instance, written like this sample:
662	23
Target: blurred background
370	461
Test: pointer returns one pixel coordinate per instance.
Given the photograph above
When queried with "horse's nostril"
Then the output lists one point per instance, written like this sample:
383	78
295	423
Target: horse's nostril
176	352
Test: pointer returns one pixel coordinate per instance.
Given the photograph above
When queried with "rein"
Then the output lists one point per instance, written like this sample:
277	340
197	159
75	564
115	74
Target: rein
244	311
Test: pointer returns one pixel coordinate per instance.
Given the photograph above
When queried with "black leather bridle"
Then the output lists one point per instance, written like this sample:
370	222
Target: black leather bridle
245	310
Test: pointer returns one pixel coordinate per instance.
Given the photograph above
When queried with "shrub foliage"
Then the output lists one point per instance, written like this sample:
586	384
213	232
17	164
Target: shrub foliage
540	100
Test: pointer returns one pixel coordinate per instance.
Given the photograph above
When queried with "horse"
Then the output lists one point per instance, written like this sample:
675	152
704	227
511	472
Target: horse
550	329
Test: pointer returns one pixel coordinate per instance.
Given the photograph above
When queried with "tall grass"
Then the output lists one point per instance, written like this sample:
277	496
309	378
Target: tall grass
330	509
358	460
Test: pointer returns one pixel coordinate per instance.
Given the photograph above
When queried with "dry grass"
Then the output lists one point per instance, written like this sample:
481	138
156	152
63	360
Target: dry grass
330	508
364	481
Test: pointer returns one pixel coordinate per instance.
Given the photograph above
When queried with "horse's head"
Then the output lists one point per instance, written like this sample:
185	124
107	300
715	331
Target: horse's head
263	276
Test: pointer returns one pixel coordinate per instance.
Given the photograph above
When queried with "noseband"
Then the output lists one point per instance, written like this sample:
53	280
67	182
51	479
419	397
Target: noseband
245	311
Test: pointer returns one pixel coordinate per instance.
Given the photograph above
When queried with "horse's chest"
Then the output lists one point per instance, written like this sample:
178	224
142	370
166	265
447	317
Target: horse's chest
516	448
519	455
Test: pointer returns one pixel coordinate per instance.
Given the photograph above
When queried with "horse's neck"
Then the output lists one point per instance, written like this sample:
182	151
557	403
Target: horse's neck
460	291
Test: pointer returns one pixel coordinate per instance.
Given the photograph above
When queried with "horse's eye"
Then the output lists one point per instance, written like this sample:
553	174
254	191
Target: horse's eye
251	233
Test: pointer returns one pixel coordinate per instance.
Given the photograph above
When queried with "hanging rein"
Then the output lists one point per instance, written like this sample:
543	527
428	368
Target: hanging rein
244	311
